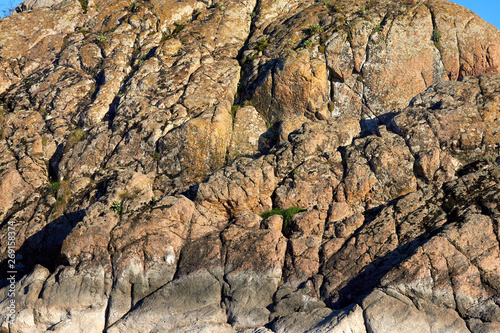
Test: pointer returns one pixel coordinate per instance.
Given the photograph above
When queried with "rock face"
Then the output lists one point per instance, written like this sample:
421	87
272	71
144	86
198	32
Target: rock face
140	142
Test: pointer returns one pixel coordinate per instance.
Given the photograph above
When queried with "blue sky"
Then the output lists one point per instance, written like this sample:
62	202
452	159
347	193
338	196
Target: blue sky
489	10
6	4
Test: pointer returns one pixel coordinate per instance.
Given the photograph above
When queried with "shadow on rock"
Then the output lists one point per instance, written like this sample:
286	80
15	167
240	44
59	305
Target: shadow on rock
44	247
371	275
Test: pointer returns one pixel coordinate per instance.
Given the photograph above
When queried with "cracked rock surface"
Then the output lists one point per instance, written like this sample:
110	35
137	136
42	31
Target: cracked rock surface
141	142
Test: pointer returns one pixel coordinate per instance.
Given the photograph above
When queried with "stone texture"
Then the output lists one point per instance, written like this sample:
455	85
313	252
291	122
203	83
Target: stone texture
248	126
32	4
199	293
136	185
349	320
388	313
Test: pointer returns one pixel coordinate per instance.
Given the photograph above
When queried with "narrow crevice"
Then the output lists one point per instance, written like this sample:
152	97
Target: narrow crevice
436	34
256	10
224	282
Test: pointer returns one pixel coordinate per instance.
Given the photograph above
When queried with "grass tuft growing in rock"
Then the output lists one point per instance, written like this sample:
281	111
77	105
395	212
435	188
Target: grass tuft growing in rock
436	37
74	137
178	28
53	187
377	28
63	190
234	109
286	213
261	45
117	207
315	29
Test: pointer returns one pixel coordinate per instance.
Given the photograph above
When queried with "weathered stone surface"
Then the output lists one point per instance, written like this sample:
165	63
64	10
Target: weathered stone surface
29	46
252	273
191	301
349	320
296	85
72	299
376	58
379	169
248	126
32	4
392	313
246	185
135	185
27	291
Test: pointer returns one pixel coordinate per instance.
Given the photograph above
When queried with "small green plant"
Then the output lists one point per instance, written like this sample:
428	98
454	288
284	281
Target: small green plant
101	38
252	14
436	37
315	29
274	211
84	5
63	190
44	141
117	207
286	213
53	187
377	28
261	45
74	137
252	57
234	109
156	156
308	43
178	28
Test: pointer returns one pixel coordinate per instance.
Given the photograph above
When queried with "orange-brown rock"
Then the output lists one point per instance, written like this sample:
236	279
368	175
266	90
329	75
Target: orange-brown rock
145	146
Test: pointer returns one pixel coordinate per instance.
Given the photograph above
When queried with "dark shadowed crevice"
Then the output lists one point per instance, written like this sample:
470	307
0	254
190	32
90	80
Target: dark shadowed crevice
44	247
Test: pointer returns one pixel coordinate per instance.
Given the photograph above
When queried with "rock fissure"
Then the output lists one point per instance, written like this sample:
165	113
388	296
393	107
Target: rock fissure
393	218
